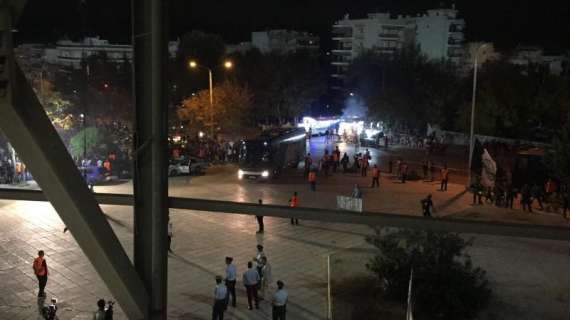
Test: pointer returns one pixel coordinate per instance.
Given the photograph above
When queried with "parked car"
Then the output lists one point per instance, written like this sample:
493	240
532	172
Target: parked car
189	165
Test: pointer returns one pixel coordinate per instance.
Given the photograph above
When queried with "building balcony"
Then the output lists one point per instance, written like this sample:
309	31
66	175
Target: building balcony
342	51
342	37
389	35
340	63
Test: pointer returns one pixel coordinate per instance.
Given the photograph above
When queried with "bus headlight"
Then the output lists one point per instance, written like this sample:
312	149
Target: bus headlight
265	174
240	174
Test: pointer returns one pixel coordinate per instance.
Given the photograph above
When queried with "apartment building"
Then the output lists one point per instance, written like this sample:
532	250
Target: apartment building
438	33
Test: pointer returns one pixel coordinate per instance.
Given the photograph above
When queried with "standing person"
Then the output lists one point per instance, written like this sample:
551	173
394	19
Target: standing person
334	161
477	189
365	165
344	162
308	163
170	233
537	193
293	202
526	199
337	152
100	313
427	206
279	302
510	198
313	180
231	278
356	192
41	272
260	220
220	294
375	176
444	178
250	281
404	172
325	163
266	276
259	260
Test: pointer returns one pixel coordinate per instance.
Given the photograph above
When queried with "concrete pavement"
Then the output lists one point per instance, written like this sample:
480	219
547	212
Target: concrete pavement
521	270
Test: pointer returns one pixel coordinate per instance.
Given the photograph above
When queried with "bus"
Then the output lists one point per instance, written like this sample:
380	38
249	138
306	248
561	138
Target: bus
265	156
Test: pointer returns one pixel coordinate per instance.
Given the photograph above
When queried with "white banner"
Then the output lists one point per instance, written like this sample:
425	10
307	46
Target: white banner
488	170
349	203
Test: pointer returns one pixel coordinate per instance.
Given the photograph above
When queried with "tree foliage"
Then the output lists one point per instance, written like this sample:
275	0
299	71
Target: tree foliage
405	88
521	102
446	285
232	107
558	157
284	84
86	141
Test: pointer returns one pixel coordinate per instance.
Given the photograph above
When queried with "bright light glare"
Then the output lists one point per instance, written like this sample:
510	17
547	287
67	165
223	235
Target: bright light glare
201	134
193	64
370	133
349	128
228	64
299	137
315	124
240	174
265	174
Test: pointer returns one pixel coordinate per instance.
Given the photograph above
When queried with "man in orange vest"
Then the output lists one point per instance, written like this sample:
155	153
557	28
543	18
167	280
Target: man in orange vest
375	176
107	165
41	272
444	178
334	161
313	180
293	204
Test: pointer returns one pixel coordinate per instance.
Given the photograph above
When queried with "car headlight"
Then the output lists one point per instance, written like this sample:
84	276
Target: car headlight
265	174
240	173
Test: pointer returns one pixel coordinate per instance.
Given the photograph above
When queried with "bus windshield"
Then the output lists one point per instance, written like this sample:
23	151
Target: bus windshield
254	151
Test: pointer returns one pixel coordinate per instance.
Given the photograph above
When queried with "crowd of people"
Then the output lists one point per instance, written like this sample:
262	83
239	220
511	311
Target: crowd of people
551	196
211	150
13	173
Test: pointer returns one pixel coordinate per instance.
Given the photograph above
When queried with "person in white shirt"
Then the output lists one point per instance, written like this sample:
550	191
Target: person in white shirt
250	281
266	277
231	278
220	295
100	313
258	260
279	302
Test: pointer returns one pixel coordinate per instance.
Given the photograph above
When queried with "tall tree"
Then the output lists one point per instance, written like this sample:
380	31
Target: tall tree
284	84
231	109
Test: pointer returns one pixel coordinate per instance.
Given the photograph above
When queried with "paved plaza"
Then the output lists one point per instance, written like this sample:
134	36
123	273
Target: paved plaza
529	276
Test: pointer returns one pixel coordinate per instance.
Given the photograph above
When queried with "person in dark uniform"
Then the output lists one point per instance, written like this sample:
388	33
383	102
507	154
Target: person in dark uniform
260	219
427	206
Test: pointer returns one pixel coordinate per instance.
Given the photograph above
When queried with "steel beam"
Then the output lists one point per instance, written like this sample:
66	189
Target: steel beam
151	151
29	130
363	218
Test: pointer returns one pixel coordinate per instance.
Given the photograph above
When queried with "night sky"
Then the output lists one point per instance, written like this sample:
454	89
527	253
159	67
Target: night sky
505	22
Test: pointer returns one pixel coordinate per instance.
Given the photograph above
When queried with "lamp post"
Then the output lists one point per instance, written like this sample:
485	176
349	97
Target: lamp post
473	101
84	161
227	65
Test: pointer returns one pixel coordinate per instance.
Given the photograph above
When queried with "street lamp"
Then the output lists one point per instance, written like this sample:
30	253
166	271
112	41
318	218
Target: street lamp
473	101
84	161
194	65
